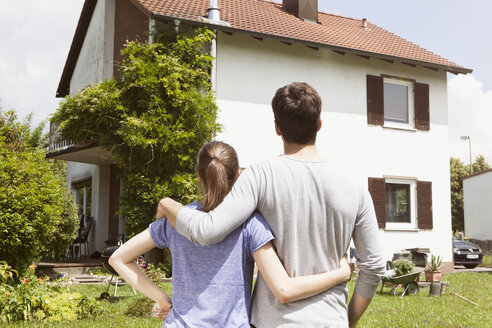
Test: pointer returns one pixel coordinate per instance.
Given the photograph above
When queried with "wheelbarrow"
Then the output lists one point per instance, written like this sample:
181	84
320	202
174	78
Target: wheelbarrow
408	280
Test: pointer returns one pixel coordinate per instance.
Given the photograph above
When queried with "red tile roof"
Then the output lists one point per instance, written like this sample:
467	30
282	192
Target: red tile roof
263	18
266	18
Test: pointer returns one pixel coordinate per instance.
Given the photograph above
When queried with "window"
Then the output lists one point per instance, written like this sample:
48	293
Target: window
83	196
402	203
397	102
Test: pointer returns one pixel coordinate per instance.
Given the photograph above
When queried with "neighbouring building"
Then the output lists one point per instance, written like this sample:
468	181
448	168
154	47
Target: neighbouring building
385	113
477	197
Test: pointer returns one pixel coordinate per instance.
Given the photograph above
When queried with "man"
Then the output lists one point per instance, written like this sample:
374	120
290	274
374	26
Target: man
313	209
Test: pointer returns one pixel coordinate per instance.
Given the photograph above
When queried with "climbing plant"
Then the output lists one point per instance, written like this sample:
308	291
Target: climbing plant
153	117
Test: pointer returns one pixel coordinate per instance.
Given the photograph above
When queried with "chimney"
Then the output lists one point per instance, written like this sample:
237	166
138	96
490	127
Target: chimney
304	9
214	10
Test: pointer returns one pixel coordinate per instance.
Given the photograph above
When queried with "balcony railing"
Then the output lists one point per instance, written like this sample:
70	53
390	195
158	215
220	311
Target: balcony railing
56	141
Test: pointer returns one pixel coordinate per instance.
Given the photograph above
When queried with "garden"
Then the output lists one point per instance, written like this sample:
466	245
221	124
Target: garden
39	302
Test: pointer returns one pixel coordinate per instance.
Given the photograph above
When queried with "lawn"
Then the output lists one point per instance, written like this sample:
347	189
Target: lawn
385	311
446	311
487	261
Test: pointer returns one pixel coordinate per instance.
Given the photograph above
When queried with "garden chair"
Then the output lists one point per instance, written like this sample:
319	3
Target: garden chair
83	236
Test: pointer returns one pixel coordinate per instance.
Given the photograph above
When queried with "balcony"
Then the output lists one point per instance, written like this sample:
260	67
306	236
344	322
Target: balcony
83	152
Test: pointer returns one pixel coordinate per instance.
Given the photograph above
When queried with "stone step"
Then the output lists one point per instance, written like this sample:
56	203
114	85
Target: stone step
74	269
87	279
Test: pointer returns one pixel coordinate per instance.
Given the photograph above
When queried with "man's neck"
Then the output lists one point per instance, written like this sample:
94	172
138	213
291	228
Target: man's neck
299	151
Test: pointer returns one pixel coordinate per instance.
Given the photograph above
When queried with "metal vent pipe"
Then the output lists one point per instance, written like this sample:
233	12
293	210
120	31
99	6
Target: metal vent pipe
214	10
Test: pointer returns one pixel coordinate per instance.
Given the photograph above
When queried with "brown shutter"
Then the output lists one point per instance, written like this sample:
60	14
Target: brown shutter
375	100
377	189
424	204
422	121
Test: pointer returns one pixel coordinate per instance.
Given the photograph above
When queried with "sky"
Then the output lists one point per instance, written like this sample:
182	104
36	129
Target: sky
35	38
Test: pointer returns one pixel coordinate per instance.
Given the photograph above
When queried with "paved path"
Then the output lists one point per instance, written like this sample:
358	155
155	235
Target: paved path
459	268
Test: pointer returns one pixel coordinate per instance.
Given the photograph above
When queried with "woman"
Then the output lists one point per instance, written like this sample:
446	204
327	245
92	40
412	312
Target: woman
212	284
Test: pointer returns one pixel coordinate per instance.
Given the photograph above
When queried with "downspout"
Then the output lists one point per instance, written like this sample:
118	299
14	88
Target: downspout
214	16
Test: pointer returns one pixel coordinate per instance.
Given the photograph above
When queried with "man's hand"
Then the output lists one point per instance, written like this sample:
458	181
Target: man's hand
168	208
344	265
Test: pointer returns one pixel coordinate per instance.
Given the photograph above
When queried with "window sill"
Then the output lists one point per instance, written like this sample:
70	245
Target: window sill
402	229
399	127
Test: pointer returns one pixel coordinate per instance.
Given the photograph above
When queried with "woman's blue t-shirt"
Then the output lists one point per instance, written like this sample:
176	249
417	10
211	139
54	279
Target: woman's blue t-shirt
212	284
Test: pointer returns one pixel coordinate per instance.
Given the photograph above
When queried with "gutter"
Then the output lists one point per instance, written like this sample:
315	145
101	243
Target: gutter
228	29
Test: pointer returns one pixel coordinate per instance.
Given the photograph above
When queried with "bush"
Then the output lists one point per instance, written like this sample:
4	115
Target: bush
141	307
36	212
402	267
38	299
154	120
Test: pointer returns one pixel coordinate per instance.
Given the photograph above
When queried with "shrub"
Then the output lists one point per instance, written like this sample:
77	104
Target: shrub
34	205
155	273
38	299
7	274
402	267
141	307
154	120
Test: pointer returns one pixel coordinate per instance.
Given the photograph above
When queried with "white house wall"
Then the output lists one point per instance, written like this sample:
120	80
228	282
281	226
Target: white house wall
477	195
250	71
95	62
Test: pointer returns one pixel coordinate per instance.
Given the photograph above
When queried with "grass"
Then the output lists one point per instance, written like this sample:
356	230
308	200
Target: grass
385	311
487	261
446	311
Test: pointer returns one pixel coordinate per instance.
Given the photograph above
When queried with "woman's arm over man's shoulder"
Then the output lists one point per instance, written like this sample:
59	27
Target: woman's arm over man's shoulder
212	227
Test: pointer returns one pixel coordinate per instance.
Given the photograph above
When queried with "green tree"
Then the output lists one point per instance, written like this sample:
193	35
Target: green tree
153	118
35	208
458	171
479	165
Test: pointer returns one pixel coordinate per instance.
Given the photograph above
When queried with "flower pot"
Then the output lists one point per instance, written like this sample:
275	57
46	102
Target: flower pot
433	275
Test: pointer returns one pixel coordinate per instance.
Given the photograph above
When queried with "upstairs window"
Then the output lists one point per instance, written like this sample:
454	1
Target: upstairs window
397	102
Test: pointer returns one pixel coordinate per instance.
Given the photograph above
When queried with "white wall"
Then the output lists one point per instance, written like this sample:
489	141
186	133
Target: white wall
250	71
477	194
95	62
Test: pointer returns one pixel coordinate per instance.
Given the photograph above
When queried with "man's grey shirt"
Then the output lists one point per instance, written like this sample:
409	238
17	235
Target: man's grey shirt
314	210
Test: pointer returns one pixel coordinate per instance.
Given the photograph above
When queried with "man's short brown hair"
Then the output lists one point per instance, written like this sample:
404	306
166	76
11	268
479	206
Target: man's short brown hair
297	109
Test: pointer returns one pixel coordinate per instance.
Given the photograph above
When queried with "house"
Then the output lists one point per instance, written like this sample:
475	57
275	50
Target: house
477	197
384	99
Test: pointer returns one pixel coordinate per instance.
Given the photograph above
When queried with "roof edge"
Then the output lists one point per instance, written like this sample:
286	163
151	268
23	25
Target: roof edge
474	175
451	69
77	42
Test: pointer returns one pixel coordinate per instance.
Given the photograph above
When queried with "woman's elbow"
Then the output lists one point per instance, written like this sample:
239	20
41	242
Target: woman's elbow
113	261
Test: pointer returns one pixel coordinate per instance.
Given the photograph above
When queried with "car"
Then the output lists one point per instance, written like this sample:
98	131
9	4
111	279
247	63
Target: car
467	254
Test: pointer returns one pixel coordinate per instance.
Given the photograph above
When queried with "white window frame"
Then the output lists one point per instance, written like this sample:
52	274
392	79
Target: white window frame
412	225
82	191
411	105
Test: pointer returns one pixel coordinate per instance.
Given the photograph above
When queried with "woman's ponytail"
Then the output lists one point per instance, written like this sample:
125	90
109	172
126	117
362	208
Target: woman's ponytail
217	166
